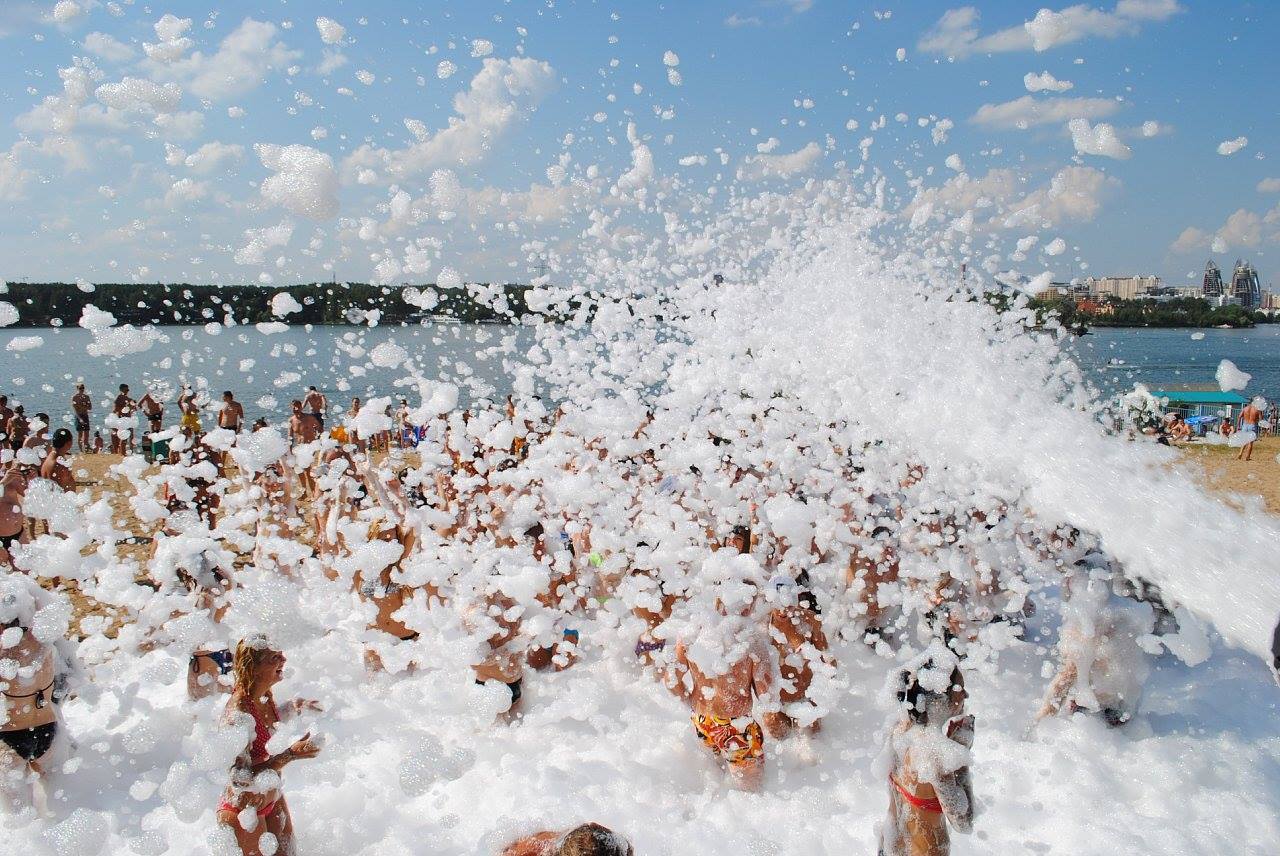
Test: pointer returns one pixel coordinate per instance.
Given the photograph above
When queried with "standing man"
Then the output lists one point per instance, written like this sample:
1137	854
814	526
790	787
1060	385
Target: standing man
123	409
1249	419
6	413
231	416
314	404
82	404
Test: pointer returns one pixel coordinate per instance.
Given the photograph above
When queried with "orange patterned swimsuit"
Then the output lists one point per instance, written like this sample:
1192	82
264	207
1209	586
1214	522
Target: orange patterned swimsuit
739	741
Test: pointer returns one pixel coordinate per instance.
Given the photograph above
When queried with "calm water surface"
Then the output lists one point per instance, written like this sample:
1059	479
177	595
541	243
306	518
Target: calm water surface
267	371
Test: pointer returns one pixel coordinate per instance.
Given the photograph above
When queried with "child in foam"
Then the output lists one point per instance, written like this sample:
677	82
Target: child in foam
926	759
589	839
253	807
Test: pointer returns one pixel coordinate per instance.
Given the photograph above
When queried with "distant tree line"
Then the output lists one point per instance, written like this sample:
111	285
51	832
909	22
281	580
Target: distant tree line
55	304
1113	312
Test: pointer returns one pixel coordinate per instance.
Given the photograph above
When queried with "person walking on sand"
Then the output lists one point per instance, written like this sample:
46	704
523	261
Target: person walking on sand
82	405
1249	419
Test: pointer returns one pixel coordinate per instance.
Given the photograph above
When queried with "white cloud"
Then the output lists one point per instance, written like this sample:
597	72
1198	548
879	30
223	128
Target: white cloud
173	44
786	165
956	33
1000	200
185	190
304	181
502	92
240	64
259	241
735	20
108	48
13	178
1269	185
1242	229
1230	147
210	156
331	62
1027	112
1100	139
1191	240
331	32
182	125
1044	81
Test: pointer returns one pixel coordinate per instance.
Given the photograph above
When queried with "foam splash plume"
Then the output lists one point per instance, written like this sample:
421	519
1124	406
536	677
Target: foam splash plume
764	468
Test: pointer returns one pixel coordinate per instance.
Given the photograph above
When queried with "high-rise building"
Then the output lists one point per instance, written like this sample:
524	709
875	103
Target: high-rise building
1122	287
1245	285
1212	280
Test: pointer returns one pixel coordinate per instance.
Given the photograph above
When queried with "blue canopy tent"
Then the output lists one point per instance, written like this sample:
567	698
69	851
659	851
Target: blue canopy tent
1200	403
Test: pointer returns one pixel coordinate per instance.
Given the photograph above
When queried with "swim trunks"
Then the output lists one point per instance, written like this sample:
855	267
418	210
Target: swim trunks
82	423
30	743
739	741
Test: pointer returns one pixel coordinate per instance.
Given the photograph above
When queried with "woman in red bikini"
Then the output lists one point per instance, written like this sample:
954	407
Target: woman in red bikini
255	777
929	788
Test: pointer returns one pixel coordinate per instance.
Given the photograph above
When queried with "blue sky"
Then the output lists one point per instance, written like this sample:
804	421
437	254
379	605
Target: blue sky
156	176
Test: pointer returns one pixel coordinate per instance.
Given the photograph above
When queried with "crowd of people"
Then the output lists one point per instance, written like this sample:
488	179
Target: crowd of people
732	569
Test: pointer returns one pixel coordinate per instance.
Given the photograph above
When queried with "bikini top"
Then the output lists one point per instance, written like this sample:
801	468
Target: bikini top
261	734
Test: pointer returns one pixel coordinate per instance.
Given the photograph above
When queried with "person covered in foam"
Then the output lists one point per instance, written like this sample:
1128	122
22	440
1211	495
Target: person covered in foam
926	758
589	839
795	628
727	667
1102	665
33	681
253	806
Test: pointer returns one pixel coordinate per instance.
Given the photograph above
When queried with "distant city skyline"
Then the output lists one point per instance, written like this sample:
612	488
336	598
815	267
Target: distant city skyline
388	141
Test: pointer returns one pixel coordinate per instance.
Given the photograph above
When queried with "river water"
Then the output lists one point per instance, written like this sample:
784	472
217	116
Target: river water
267	370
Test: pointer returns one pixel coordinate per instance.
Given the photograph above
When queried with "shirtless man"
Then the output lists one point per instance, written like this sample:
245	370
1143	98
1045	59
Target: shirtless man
314	404
6	413
231	416
17	428
28	717
52	468
796	632
123	408
153	409
82	404
13	523
870	568
723	703
1249	419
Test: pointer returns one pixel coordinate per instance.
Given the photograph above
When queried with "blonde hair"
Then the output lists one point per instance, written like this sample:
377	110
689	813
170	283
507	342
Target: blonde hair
244	665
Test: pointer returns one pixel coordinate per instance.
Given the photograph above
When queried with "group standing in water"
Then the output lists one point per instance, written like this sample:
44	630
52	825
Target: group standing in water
736	569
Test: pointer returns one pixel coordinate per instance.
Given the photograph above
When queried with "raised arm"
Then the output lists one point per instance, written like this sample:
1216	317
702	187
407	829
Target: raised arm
955	794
